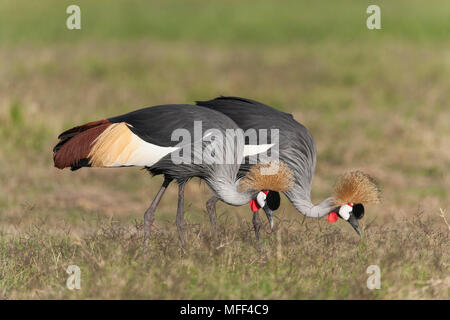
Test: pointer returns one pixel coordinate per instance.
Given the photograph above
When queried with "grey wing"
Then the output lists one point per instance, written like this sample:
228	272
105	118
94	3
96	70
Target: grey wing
296	144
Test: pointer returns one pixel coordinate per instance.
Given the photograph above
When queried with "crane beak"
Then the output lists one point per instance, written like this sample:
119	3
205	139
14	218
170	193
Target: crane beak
269	214
354	223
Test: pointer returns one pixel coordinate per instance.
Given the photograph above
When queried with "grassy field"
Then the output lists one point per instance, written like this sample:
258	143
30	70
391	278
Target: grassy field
373	100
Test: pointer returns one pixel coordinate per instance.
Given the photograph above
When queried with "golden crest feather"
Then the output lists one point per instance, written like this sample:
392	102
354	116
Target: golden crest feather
356	187
274	175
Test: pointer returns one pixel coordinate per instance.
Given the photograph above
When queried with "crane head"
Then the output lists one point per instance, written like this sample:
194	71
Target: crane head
269	201
349	212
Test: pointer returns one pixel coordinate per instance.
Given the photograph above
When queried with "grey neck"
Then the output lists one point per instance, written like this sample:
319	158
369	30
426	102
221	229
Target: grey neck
314	211
228	191
302	202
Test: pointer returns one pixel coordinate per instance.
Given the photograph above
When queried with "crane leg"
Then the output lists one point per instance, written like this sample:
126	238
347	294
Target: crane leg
257	226
211	209
149	215
180	222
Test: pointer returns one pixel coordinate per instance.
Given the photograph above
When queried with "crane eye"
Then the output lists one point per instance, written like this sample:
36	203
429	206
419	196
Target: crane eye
261	199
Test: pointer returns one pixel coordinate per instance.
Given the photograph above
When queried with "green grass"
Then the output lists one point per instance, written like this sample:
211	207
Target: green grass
234	21
374	100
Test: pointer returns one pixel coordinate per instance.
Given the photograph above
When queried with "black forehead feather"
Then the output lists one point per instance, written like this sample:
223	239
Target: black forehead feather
273	200
358	210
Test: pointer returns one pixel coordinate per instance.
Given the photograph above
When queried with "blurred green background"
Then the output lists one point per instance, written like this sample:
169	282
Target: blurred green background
226	22
377	100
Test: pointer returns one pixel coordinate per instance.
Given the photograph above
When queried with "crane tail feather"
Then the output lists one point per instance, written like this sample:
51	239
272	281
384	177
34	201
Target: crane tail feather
106	144
75	145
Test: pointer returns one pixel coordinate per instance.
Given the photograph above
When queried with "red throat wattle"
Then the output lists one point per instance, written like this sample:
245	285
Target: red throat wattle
332	217
254	206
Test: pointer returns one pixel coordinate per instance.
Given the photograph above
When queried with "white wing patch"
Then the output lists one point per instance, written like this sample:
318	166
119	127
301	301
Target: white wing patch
252	149
145	154
118	146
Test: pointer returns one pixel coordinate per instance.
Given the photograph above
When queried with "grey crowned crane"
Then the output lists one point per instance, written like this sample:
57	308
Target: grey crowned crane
146	138
297	150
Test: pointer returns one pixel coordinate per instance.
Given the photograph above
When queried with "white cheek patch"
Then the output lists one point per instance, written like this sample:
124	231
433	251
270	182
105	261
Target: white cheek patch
344	212
261	199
